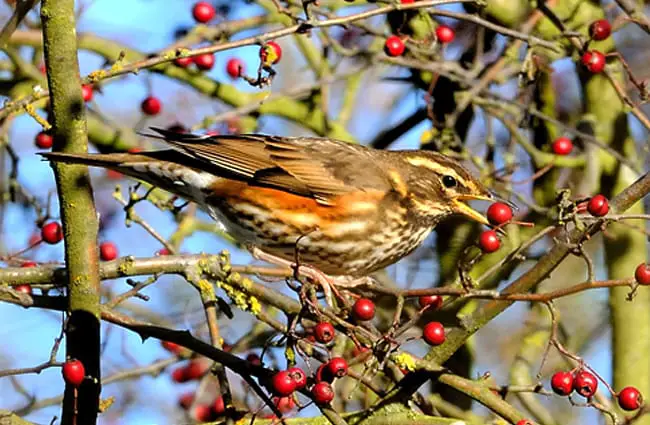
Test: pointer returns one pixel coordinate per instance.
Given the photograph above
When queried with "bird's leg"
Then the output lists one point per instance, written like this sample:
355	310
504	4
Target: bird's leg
326	282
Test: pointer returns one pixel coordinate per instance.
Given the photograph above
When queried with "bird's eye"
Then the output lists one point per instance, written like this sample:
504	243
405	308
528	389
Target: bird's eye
449	181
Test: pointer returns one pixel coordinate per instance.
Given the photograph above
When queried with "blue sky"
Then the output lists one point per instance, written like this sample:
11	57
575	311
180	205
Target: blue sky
28	334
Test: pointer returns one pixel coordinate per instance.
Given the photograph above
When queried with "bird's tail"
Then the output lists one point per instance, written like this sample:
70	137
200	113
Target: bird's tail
159	168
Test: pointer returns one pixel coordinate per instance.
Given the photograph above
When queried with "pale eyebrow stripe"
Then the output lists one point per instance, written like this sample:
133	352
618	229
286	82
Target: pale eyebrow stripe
434	166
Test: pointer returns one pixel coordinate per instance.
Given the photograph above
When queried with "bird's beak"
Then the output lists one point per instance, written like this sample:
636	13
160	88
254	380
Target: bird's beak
461	207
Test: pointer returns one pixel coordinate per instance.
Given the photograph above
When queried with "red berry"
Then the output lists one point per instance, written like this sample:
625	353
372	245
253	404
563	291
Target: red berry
28	264
562	383
324	332
87	92
284	404
107	251
151	105
234	67
499	213
435	301
598	206
524	422
254	359
630	398
203	413
445	34
594	61
562	146
203	12
23	289
407	1
204	62
338	367
52	233
394	46
585	383
163	251
642	274
44	140
183	62
299	377
363	309
323	374
179	375
73	372
270	53
433	333
219	407
186	400
600	29
195	369
322	393
489	241
172	347
283	383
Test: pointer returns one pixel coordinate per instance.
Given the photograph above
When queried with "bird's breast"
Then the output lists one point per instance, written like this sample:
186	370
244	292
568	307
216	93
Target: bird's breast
358	233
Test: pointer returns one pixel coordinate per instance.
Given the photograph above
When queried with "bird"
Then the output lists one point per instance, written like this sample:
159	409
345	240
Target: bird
340	208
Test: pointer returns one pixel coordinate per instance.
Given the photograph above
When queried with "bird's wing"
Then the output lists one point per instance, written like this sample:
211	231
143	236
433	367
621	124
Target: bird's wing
319	168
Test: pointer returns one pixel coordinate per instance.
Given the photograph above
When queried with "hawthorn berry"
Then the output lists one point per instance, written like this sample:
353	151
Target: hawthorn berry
562	383
642	274
599	30
435	301
283	383
324	332
499	213
445	34
234	67
151	105
218	407
594	61
44	140
202	413
585	383
270	53
203	12
394	46
183	62
598	206
52	233
489	241
23	289
524	422
323	374
107	251
28	264
407	1
254	359
338	367
284	404
172	347
204	62
562	146
299	377
87	92
195	369
433	333
73	372
629	398
179	376
322	393
363	309
186	400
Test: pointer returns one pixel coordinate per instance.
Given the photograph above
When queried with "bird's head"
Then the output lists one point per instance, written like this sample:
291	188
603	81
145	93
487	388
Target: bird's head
437	186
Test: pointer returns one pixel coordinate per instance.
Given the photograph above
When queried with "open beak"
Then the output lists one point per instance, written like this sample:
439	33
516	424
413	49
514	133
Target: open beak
461	207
